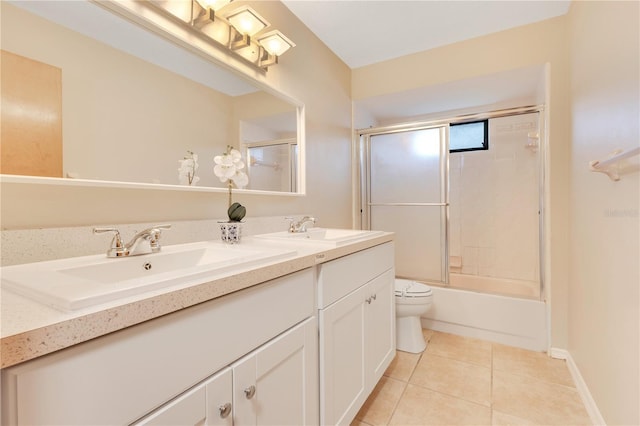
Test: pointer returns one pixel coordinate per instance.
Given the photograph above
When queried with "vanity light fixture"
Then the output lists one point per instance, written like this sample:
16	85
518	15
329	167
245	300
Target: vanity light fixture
209	9
275	42
272	45
235	29
245	23
213	4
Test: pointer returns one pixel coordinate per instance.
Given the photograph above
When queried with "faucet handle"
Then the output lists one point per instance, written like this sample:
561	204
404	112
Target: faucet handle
155	232
292	226
117	239
163	226
117	246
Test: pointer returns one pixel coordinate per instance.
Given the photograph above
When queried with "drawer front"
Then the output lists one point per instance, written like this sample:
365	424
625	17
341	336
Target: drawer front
340	277
155	361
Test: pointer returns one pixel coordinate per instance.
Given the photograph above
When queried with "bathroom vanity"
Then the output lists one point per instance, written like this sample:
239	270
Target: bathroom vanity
295	340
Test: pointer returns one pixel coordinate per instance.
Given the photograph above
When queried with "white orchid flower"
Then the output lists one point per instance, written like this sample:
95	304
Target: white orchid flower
228	167
187	170
241	179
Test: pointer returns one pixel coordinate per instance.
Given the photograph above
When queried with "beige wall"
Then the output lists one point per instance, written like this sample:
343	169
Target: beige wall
310	73
604	292
531	45
124	119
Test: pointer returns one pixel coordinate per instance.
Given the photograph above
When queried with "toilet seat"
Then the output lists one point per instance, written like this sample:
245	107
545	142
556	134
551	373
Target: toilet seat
407	290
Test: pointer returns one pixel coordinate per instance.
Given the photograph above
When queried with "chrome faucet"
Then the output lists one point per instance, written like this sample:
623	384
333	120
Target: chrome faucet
144	242
301	225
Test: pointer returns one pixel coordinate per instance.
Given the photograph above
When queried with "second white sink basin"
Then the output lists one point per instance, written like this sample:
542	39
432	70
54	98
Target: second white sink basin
80	282
333	237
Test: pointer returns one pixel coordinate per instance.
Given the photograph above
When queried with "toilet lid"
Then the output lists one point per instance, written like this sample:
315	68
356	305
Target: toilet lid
407	288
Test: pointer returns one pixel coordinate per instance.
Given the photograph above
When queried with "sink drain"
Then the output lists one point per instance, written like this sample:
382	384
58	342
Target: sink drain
147	266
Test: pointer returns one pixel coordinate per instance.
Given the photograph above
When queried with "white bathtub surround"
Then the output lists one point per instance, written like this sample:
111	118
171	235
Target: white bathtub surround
507	320
36	245
494	197
493	285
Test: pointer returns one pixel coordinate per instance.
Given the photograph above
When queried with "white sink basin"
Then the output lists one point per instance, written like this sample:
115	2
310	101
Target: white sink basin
80	282
333	237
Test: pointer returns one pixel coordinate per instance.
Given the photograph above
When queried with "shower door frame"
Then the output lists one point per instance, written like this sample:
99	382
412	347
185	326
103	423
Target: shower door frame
366	204
362	142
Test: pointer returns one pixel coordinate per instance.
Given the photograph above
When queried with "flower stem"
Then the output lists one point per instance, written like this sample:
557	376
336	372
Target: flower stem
230	188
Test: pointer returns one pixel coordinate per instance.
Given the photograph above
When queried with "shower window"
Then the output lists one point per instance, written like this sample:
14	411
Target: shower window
469	136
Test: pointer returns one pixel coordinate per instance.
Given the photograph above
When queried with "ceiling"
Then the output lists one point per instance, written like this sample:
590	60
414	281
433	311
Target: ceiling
364	32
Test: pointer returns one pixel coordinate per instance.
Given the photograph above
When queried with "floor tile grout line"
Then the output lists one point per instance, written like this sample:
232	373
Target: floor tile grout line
461	398
450	396
413	370
472	364
395	406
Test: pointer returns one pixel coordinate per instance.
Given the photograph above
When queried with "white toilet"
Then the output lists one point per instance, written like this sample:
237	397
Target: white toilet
412	300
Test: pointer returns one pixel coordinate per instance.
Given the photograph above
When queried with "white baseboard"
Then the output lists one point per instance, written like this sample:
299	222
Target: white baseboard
581	386
558	353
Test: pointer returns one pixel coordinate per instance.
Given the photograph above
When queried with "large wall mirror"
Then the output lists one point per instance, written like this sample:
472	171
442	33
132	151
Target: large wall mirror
132	103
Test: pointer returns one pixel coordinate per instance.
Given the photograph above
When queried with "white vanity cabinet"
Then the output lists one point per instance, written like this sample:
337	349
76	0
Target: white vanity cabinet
177	363
357	329
206	404
274	385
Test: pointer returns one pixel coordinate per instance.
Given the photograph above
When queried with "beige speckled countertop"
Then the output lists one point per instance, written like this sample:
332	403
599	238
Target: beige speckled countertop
29	329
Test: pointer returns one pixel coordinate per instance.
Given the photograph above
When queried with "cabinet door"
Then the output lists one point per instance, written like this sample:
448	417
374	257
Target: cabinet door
219	399
277	384
187	409
342	354
201	405
380	335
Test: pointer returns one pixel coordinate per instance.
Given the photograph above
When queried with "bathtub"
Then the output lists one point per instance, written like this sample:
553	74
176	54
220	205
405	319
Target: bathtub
502	286
512	321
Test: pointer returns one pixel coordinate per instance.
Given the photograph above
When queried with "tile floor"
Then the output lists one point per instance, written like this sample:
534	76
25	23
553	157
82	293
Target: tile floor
463	381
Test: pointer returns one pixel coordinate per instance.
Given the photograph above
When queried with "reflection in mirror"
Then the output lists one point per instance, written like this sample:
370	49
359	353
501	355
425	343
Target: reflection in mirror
134	104
270	165
270	144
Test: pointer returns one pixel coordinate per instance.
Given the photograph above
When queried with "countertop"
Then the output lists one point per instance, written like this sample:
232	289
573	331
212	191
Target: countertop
30	329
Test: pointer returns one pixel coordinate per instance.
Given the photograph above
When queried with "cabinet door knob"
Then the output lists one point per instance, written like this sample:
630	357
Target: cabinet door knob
250	392
368	300
374	297
225	410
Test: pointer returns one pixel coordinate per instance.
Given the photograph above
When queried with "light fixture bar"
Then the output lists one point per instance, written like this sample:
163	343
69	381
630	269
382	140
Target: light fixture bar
207	17
265	59
240	25
237	40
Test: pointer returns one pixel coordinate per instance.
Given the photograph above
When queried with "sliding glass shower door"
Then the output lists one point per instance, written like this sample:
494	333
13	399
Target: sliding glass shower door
407	194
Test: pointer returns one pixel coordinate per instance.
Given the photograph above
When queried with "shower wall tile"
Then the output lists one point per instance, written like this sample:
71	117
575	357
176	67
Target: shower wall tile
470	260
455	247
494	203
486	257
